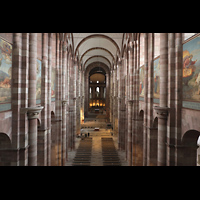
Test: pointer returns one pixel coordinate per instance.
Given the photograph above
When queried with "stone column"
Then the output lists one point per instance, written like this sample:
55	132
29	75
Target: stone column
178	96
171	103
151	132
64	102
162	110
119	104
24	101
60	101
16	95
50	35
74	96
42	131
86	92
130	102
32	151
145	98
107	97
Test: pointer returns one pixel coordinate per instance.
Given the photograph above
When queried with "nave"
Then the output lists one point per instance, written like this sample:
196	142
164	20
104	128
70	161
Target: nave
97	149
145	88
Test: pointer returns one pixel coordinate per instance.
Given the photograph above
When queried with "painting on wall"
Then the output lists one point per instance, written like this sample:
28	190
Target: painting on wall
53	83
38	80
191	70
142	75
156	90
5	71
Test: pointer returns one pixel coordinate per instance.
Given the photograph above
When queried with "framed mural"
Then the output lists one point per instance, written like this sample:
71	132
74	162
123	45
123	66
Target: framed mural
191	70
142	76
156	90
5	74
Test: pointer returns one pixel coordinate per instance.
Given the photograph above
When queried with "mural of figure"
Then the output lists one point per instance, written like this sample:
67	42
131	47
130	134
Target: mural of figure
188	67
198	83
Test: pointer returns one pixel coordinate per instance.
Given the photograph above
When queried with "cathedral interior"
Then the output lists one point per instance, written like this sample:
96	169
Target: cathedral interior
99	99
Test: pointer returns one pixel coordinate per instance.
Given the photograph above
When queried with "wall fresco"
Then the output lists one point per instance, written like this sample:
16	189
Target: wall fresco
191	70
5	74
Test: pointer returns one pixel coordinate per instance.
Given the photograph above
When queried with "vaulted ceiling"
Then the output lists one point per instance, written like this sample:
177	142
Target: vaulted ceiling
97	47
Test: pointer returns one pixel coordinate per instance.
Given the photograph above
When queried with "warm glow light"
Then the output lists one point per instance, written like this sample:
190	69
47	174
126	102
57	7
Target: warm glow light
82	116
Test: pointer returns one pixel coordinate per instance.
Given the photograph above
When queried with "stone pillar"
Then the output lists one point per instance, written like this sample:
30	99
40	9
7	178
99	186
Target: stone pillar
74	96
130	102
50	35
178	96
32	151
151	133
145	99
107	97
24	101
64	102
162	110
42	131
171	103
16	95
60	101
86	92
119	104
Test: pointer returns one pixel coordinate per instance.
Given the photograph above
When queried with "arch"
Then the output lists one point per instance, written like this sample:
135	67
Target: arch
96	64
38	122
96	56
5	153
190	138
155	122
86	74
97	48
95	36
189	148
5	142
53	115
141	114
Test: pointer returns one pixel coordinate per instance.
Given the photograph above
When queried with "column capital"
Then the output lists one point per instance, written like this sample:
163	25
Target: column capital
64	102
162	112
32	112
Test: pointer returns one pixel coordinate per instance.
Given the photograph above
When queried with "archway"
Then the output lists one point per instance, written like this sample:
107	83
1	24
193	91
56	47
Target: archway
97	77
189	149
5	153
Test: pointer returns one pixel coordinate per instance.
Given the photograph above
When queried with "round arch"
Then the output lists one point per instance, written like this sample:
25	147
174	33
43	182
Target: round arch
95	36
189	148
86	75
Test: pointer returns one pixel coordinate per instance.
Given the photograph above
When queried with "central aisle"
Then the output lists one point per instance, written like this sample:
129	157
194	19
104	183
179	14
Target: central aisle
97	150
96	157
